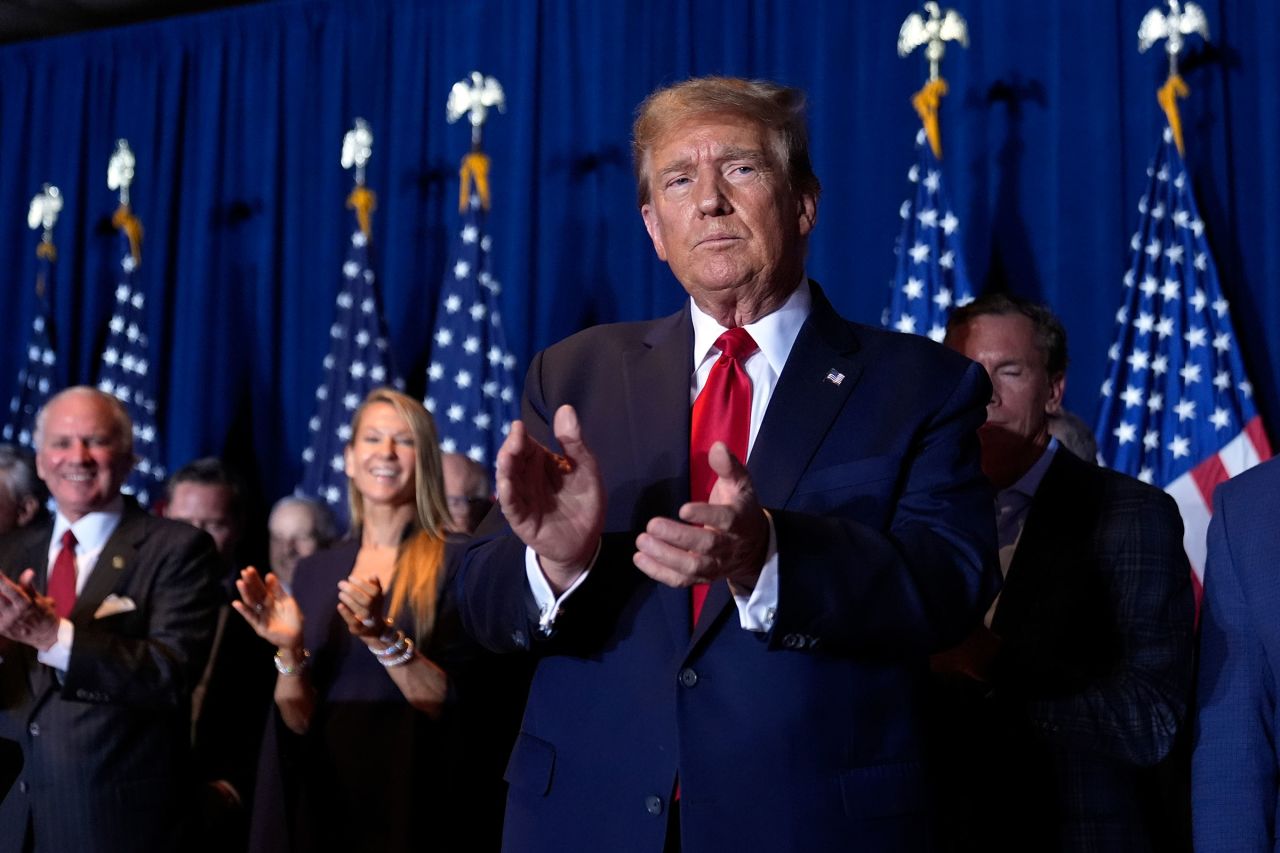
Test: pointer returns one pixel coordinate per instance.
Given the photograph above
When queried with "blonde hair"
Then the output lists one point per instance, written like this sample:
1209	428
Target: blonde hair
778	109
420	560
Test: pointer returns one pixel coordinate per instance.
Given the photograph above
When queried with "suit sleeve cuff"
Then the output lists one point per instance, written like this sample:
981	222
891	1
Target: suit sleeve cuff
756	612
546	600
58	655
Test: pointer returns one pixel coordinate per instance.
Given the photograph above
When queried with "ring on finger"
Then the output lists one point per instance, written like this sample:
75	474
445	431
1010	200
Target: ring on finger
368	622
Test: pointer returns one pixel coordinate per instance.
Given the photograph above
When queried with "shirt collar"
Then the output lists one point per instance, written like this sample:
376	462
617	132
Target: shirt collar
92	530
775	333
1030	481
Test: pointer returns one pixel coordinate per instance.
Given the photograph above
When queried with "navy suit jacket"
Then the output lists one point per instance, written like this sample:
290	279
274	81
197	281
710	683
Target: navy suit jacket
107	749
1235	767
802	738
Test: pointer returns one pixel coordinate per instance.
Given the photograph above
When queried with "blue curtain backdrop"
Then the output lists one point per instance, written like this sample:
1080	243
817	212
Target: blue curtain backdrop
237	118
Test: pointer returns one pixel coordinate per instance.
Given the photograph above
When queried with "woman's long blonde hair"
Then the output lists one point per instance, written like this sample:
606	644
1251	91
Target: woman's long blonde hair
420	560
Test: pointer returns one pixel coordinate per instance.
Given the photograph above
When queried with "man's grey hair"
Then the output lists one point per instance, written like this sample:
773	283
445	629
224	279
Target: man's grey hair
18	475
325	525
119	416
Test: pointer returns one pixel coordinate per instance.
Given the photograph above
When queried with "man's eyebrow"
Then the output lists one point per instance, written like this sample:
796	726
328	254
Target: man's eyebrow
755	155
742	154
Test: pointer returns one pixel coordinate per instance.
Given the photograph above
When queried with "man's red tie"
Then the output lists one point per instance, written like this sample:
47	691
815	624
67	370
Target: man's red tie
62	580
722	412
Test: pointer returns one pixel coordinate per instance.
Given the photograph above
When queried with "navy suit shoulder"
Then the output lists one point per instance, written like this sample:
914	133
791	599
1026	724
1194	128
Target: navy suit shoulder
1236	757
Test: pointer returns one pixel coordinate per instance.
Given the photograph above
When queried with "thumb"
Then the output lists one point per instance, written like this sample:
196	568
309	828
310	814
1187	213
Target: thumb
726	466
568	432
27	580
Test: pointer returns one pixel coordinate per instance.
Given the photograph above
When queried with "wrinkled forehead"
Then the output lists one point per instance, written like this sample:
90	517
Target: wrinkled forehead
81	415
291	520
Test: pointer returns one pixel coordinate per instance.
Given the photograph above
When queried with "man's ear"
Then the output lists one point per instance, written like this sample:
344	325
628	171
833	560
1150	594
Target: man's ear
30	506
1057	388
654	228
808	212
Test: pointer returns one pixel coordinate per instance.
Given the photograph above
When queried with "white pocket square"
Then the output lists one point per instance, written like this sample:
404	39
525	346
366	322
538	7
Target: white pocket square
113	604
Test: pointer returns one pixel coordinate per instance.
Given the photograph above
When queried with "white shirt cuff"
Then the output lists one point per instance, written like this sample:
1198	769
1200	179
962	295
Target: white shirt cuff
757	611
58	655
548	604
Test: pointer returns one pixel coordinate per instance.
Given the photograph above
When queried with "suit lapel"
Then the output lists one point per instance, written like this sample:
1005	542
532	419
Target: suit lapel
820	374
35	555
657	399
1054	528
821	371
115	561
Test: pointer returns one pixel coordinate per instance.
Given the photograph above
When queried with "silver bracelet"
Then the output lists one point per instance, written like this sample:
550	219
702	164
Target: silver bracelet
402	659
396	646
297	669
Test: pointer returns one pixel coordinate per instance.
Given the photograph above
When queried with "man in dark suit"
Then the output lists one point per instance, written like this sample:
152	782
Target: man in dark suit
230	702
105	617
1235	768
1078	681
856	539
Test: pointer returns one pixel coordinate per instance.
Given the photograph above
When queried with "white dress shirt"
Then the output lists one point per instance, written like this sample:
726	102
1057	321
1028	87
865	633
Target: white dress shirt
774	334
92	532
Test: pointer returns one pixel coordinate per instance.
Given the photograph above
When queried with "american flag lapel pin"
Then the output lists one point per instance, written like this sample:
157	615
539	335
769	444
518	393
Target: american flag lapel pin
834	376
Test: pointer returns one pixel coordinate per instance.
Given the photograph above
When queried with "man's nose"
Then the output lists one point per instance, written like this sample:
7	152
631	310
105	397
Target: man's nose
712	200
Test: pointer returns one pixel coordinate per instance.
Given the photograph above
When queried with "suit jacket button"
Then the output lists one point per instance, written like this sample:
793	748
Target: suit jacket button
791	641
520	639
653	804
22	787
34	729
688	677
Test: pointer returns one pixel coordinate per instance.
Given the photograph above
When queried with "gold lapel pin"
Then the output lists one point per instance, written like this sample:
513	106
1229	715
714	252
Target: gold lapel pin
117	562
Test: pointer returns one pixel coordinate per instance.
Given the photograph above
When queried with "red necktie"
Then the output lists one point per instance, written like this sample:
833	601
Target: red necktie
62	580
722	412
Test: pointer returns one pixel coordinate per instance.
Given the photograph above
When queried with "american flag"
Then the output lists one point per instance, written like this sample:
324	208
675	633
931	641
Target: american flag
931	275
471	390
1177	409
359	361
38	378
126	364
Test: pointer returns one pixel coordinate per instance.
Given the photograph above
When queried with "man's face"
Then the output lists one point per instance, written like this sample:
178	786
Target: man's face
80	457
722	215
208	507
9	509
293	536
1022	392
464	491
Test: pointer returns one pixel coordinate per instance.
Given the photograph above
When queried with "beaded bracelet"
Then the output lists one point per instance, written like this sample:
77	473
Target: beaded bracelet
297	669
404	657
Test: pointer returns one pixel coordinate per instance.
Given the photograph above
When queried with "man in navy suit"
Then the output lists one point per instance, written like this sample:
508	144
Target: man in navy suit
1235	766
856	538
103	634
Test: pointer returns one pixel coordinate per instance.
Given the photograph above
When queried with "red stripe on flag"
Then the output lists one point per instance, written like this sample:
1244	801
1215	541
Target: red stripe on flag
1207	475
1258	436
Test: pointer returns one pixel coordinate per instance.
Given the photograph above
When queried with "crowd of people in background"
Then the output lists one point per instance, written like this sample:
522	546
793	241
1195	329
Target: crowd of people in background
868	593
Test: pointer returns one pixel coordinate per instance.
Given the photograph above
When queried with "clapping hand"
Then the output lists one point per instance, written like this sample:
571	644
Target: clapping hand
726	537
554	503
26	616
360	604
269	610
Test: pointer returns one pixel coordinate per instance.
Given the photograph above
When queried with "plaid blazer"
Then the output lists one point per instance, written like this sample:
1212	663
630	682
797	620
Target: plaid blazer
1092	679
